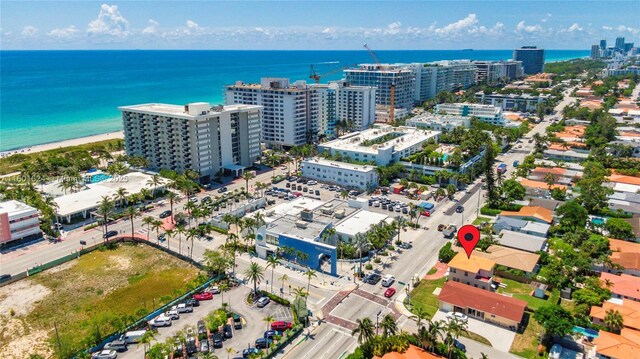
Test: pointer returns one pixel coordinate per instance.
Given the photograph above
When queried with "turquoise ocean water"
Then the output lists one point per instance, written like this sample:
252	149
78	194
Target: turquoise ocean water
48	96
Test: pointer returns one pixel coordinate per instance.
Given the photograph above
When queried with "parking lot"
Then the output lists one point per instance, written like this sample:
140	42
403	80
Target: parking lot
252	319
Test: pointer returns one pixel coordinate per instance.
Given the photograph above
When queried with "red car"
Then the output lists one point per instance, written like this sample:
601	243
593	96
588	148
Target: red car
203	296
426	214
390	292
281	326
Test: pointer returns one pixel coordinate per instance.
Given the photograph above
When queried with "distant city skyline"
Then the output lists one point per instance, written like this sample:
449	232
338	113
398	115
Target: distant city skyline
319	25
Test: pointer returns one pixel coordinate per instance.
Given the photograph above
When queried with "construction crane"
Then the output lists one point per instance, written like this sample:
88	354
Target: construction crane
315	76
392	87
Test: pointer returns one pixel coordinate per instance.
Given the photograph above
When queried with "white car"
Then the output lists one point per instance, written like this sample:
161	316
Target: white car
173	314
213	290
459	316
312	183
160	321
105	354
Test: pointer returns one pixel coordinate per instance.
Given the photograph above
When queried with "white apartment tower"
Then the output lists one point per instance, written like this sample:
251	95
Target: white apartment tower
434	77
290	114
339	101
194	137
382	77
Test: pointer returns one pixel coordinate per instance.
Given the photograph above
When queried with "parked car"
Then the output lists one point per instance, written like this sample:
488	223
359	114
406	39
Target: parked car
213	289
191	346
389	292
441	227
201	328
388	280
206	199
216	339
405	245
227	331
182	308
271	334
193	199
288	185
204	346
317	192
250	351
105	354
280	325
459	345
222	189
110	234
117	345
263	343
160	321
192	302
311	183
237	322
262	302
162	237
459	209
173	314
459	316
373	278
165	214
203	296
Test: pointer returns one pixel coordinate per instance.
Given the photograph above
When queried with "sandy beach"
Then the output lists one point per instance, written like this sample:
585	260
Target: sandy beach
66	143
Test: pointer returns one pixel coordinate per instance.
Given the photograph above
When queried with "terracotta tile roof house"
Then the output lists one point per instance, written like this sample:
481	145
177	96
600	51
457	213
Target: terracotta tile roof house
626	254
541	185
508	257
482	304
623	286
535	213
629	310
475	271
624	179
413	352
623	346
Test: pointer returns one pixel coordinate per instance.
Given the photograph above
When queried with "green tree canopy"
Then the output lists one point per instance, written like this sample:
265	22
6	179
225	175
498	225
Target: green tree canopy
513	190
573	215
555	319
619	228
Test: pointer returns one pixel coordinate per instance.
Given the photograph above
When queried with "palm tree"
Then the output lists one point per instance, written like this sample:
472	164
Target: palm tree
361	242
147	338
229	351
254	273
283	278
233	239
192	234
149	222
172	197
299	293
156	226
180	230
131	213
121	196
364	330
105	209
436	329
613	320
344	194
222	288
158	351
154	182
401	223
451	190
268	319
421	314
248	176
454	329
169	233
388	326
273	262
310	273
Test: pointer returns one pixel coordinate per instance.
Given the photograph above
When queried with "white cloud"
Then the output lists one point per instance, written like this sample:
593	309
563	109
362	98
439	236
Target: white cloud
530	29
462	28
629	29
607	28
152	28
454	28
29	31
109	22
393	28
574	27
64	33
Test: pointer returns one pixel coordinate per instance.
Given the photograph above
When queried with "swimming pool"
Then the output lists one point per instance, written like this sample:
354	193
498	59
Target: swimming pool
99	178
586	332
597	221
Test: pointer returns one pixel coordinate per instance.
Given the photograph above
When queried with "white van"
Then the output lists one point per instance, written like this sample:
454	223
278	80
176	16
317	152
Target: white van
160	321
133	336
388	280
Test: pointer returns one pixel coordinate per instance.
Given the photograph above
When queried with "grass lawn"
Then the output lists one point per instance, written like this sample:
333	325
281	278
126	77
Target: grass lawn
422	296
526	344
479	220
523	291
102	291
432	271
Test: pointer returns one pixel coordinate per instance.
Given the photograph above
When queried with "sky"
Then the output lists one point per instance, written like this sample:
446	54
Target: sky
315	25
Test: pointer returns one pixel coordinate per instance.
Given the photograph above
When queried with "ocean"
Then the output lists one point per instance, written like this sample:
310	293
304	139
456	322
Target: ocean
49	96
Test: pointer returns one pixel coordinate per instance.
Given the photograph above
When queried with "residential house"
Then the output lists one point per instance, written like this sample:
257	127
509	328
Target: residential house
531	213
635	224
474	271
550	204
625	254
629	310
413	352
509	257
481	304
622	286
626	202
520	225
614	346
525	242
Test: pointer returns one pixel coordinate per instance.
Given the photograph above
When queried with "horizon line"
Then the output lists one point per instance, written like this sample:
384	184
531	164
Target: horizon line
461	49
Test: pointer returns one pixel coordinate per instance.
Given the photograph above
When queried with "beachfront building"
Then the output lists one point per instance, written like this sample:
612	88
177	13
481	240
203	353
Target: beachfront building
436	122
434	77
512	102
382	77
383	144
19	223
485	113
532	59
290	112
494	71
194	137
343	174
355	106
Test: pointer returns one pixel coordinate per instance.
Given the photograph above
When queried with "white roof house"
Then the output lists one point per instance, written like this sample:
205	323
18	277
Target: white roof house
360	222
525	242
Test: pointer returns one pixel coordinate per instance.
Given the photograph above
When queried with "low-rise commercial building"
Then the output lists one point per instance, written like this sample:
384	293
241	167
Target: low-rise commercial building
481	304
485	113
435	122
19	223
194	137
474	271
512	102
383	144
341	173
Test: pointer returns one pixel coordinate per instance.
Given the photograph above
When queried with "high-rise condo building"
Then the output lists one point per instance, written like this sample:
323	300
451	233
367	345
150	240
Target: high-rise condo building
620	43
493	71
595	52
382	77
355	106
532	59
194	137
434	77
290	115
603	44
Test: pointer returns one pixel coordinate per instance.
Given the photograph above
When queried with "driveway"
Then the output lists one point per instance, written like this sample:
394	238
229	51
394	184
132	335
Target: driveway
499	337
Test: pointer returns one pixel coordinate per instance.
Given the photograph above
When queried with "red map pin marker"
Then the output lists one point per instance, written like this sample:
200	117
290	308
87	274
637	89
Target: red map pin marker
468	236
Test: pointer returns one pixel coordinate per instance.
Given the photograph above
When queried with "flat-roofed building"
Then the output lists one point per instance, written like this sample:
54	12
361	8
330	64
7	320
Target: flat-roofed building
440	123
194	137
341	173
339	101
434	77
19	223
512	102
485	113
383	144
382	77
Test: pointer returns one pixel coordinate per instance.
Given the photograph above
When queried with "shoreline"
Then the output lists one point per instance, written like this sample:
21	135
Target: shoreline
64	143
